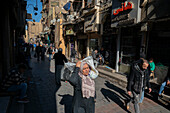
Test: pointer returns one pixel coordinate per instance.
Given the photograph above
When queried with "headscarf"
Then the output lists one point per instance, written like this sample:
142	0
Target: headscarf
88	85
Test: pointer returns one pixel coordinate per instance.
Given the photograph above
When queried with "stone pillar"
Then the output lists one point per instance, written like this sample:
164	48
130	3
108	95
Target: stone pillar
118	50
83	3
88	43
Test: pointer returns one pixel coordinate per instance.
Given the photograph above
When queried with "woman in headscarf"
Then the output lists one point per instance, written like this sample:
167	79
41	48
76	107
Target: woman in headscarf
84	89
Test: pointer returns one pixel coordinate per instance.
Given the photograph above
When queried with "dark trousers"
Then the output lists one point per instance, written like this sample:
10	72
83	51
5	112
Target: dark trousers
59	70
38	56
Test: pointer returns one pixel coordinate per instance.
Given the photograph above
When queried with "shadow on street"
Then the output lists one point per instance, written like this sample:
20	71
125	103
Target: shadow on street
119	96
67	102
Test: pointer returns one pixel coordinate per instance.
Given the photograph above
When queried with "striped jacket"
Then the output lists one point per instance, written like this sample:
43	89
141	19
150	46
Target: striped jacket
13	78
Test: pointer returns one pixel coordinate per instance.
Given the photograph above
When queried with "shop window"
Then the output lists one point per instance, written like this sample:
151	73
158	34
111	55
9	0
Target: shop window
93	45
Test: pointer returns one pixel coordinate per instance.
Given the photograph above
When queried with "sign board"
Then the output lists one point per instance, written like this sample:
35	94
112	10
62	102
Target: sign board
70	32
124	13
54	3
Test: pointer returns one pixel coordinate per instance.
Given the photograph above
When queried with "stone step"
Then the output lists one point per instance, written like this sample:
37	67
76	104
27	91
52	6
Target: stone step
114	77
15	107
106	68
4	103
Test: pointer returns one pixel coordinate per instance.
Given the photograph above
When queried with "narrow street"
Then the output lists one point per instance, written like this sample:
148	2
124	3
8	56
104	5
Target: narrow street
45	97
124	39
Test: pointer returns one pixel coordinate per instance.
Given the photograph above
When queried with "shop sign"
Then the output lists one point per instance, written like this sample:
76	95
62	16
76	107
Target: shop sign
125	6
70	32
124	13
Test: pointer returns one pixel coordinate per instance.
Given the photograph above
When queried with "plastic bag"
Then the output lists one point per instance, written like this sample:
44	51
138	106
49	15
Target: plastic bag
68	69
93	73
52	66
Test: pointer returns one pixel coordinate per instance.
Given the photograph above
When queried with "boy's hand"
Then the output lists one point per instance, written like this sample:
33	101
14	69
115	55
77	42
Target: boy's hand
150	90
168	82
129	93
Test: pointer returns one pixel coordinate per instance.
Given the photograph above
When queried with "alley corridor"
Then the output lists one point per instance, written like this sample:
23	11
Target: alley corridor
46	97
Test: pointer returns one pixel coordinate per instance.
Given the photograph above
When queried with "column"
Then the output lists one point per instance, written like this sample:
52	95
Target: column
88	43
118	50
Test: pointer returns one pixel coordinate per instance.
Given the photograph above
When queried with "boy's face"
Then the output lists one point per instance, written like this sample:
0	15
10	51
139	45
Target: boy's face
145	66
151	61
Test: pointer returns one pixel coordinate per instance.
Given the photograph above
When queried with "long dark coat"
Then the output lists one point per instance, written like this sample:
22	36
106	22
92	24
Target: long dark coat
80	104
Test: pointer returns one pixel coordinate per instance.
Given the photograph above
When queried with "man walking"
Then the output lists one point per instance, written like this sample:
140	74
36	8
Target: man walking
137	80
50	52
43	50
38	50
59	65
95	56
73	55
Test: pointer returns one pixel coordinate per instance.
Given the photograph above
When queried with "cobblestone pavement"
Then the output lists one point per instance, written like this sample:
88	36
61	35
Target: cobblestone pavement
46	97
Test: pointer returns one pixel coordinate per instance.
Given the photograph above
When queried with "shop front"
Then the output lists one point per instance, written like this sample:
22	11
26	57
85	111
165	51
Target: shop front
159	42
125	19
108	36
91	30
69	40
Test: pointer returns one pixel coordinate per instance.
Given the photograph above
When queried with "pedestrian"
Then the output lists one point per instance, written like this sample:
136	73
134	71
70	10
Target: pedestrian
95	56
38	51
27	55
138	79
165	82
55	50
14	81
60	59
34	46
43	50
152	67
84	89
73	55
102	54
49	52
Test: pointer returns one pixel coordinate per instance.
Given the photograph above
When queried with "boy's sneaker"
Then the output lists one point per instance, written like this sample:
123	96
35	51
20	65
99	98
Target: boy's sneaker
160	97
24	100
127	105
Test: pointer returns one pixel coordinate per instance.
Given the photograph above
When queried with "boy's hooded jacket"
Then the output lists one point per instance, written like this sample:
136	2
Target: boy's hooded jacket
138	78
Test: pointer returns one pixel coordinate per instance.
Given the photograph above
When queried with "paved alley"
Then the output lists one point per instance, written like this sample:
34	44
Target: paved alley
46	97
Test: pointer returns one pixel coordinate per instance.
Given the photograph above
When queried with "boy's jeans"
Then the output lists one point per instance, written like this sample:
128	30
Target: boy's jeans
136	101
22	88
141	96
162	87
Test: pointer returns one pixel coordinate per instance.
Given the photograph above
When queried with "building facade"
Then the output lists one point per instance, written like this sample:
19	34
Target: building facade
12	31
34	29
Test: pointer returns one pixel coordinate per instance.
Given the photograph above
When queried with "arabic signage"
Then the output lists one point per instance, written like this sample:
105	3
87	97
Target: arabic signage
125	6
124	13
